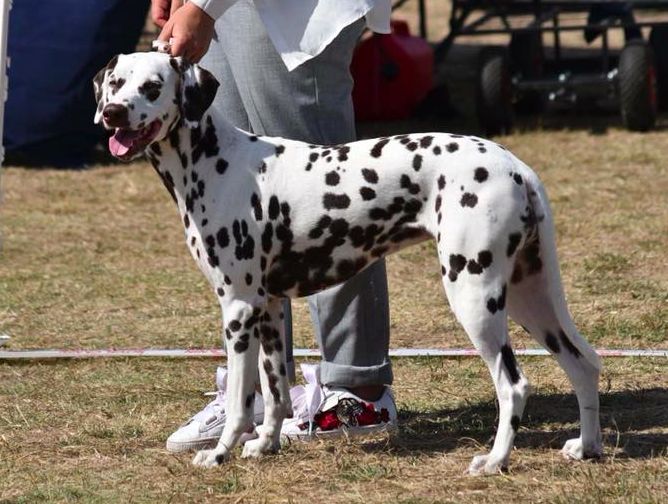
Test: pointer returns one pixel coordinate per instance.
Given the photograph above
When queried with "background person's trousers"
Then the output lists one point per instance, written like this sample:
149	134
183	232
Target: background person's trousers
312	103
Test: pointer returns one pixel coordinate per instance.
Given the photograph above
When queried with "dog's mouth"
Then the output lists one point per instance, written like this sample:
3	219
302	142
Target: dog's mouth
126	143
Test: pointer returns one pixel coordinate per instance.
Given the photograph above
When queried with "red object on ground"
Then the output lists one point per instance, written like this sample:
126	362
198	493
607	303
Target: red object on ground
393	74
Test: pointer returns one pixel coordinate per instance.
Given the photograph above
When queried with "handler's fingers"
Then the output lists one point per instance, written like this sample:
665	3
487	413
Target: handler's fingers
178	48
176	4
166	32
160	12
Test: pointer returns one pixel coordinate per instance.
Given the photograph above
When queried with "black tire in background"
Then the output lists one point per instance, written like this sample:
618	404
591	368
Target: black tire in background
494	92
637	86
658	40
527	62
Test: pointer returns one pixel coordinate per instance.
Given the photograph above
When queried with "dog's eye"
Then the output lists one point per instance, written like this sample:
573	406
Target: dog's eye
151	90
116	84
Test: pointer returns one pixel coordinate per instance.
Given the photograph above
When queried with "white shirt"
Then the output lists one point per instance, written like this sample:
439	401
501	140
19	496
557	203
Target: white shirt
301	29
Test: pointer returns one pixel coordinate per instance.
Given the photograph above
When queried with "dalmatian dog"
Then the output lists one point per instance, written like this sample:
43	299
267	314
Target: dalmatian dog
268	218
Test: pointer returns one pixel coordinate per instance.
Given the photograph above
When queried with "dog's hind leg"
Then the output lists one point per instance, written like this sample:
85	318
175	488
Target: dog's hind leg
536	302
241	319
273	378
471	297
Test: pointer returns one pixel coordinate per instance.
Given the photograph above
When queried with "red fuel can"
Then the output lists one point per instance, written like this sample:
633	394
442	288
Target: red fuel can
393	74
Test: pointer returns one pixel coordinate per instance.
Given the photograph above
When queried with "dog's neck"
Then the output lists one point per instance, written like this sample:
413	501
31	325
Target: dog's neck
183	149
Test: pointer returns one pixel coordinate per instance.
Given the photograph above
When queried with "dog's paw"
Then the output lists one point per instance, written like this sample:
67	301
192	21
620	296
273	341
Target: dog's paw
574	449
211	458
484	464
256	448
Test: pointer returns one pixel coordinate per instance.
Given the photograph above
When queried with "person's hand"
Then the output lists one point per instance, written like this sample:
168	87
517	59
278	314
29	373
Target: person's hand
191	31
161	10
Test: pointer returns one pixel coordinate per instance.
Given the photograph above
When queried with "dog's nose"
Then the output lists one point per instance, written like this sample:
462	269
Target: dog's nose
115	115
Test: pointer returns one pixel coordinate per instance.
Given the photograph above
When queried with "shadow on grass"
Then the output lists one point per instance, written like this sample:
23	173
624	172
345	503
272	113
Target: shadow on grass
549	420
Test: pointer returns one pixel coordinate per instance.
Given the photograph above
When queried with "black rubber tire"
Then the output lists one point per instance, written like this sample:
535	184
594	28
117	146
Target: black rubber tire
658	40
527	62
494	107
637	86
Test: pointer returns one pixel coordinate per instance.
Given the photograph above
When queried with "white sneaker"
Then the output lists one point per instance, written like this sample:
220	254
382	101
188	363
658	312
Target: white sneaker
321	411
204	429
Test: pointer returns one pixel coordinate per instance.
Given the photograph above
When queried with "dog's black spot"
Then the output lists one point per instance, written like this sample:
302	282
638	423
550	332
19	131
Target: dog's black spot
332	178
331	200
497	304
220	291
468	200
206	144
274	208
370	175
485	258
220	459
417	162
241	346
313	157
267	235
367	193
480	174
186	221
511	364
425	141
441	182
377	149
531	257
515	422
406	183
221	166
552	343
436	150
234	325
452	147
437	203
257	207
151	90
513	242
245	243
249	279
457	264
343	152
517	178
569	344
280	149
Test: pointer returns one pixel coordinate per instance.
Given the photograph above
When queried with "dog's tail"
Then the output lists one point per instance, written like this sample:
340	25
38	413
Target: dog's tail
547	252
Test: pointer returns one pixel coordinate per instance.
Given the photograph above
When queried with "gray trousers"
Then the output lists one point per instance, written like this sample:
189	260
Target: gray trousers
312	103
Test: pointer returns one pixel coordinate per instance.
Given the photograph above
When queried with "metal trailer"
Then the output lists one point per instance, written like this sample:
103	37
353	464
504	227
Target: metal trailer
522	76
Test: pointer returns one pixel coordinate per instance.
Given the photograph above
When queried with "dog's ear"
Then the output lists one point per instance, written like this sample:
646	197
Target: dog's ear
98	87
198	89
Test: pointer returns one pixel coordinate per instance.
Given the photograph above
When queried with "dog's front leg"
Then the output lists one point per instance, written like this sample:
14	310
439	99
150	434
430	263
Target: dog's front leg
241	335
273	378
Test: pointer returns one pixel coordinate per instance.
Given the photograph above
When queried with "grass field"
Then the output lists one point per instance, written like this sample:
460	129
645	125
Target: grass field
95	259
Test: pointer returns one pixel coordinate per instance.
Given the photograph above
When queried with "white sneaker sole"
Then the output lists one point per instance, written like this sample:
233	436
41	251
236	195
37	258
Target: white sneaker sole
204	443
305	436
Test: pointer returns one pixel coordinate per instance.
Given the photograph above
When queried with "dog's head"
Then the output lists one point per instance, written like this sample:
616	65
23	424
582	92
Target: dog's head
142	96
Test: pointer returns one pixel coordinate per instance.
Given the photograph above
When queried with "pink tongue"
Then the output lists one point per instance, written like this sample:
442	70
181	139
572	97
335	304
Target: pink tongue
121	142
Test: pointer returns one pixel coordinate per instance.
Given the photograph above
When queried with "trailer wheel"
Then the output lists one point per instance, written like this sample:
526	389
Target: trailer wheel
494	92
637	86
658	40
527	63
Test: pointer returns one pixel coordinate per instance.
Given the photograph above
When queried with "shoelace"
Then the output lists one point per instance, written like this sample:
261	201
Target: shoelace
306	400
